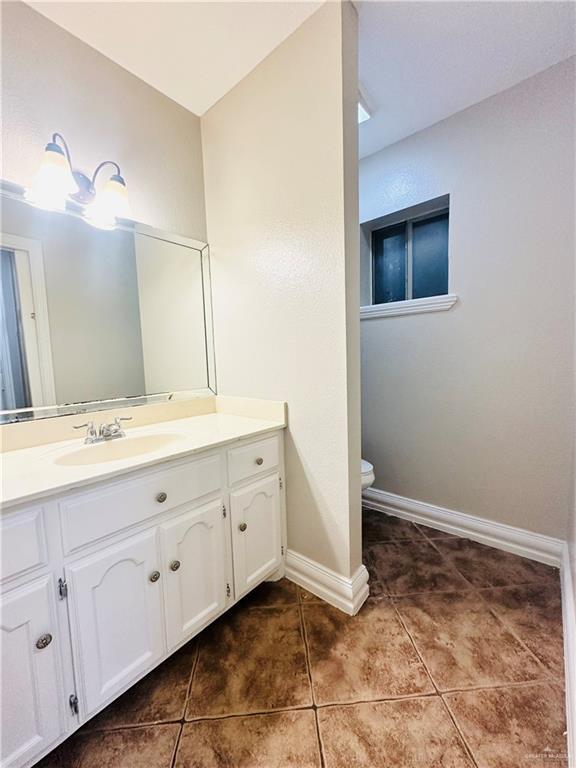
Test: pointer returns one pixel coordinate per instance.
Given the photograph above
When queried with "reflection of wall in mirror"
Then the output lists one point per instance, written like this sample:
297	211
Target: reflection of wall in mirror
171	314
93	309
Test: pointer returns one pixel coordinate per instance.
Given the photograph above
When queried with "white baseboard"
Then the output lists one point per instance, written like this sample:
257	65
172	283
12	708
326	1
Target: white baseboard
569	619
535	546
347	594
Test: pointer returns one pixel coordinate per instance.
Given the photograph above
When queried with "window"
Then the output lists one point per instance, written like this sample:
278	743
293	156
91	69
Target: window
410	259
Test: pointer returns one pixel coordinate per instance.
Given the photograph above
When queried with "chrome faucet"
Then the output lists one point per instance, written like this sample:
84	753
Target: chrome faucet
114	430
91	434
105	431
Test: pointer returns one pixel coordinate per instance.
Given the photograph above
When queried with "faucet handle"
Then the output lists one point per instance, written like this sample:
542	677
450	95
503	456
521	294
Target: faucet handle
90	431
119	419
89	426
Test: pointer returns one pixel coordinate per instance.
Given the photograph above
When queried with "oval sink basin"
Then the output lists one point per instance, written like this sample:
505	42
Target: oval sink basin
114	450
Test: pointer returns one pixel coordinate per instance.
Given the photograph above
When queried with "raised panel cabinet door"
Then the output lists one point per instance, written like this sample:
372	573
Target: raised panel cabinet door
194	558
256	532
32	694
115	597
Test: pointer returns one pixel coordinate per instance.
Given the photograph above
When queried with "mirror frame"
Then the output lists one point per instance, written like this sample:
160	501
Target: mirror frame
13	191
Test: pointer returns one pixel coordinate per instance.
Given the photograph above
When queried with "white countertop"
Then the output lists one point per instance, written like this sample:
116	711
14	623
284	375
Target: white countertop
32	473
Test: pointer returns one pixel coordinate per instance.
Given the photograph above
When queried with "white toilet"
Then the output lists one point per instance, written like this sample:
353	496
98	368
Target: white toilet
367	474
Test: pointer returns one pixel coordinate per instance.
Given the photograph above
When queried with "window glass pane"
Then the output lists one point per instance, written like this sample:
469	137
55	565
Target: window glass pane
430	257
389	264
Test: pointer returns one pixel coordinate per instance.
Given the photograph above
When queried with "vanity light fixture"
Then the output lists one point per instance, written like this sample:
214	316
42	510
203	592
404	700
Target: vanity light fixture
111	202
53	182
57	181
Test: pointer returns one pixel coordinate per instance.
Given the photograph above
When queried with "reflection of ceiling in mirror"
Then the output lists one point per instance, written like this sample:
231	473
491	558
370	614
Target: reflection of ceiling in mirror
105	314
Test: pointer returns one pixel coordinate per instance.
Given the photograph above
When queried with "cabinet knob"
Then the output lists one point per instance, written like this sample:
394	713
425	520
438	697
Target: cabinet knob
174	565
259	461
243	526
161	497
154	576
43	641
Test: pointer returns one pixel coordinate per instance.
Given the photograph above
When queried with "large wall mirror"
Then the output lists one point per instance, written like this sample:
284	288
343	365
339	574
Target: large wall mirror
90	317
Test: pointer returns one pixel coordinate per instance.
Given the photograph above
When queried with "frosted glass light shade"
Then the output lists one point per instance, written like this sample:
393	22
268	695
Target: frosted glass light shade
111	203
53	182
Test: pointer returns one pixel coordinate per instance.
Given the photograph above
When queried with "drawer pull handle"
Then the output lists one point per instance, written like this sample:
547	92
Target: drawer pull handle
154	576
161	498
243	526
174	565
43	641
259	461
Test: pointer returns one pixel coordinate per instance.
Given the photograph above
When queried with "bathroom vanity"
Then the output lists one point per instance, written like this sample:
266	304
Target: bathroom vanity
110	564
116	548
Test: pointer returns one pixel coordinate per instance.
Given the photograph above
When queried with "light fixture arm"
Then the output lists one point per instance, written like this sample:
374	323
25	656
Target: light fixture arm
99	168
55	137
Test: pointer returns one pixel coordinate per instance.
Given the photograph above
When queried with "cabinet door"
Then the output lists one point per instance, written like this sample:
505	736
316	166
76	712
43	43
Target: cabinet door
117	619
256	535
32	694
195	565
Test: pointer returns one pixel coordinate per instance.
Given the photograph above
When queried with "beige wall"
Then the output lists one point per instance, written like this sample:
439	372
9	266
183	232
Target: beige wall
279	209
51	81
472	409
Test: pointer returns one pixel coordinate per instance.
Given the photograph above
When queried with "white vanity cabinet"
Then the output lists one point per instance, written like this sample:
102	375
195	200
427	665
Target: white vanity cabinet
32	691
115	603
111	578
256	532
194	560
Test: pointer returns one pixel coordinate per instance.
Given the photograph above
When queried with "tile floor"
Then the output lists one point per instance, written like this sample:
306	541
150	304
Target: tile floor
455	661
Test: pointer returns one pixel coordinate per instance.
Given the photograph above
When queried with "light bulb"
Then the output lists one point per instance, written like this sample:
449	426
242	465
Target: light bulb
110	203
53	182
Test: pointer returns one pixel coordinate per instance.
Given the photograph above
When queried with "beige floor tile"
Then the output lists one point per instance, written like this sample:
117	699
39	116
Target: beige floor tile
462	643
410	733
485	566
158	697
534	613
147	747
434	533
279	740
410	567
308	597
251	660
519	727
378	527
282	592
362	657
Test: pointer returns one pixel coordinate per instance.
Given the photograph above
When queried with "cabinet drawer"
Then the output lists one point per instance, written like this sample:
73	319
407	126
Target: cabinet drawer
91	515
252	459
23	542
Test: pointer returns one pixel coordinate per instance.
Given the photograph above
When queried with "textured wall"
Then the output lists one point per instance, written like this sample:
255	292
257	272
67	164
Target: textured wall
51	81
472	409
281	205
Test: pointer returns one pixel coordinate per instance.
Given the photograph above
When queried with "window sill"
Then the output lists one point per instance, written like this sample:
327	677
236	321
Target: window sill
409	307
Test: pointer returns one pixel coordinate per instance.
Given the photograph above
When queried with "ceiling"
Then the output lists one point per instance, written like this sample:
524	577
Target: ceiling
423	61
420	62
194	52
